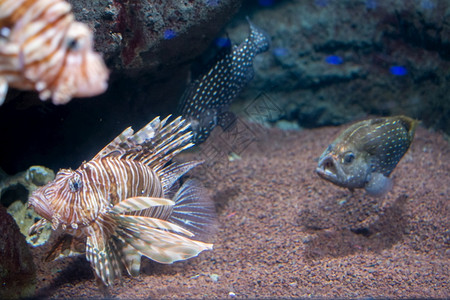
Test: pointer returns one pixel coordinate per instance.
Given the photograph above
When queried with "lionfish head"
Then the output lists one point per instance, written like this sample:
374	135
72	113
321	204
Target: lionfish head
63	201
84	73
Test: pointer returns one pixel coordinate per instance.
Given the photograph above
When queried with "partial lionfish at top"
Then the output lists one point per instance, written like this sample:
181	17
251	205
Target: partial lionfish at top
42	48
126	203
365	154
207	100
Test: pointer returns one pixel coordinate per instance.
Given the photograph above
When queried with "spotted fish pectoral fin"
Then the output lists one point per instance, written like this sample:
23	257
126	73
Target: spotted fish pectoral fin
104	258
157	244
227	120
378	185
3	90
194	209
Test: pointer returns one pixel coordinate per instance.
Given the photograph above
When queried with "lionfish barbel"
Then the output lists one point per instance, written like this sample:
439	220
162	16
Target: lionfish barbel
42	48
127	202
365	154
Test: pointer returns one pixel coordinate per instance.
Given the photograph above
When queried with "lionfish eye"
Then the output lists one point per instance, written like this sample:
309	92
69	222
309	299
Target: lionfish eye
349	157
5	32
72	44
75	183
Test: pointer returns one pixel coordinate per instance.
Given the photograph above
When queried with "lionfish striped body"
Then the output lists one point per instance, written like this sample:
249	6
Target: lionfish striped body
43	48
124	203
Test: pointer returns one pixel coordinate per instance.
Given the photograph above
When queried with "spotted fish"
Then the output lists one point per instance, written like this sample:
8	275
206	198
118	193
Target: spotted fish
207	100
42	48
126	203
365	154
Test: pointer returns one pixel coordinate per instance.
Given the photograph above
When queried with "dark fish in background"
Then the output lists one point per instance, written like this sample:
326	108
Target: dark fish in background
365	154
207	100
126	203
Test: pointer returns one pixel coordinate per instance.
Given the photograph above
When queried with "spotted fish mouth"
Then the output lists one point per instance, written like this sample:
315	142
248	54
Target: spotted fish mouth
327	168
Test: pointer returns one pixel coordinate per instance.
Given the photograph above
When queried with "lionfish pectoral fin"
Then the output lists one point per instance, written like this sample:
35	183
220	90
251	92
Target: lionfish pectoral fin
65	245
151	238
141	203
194	209
104	258
131	259
3	90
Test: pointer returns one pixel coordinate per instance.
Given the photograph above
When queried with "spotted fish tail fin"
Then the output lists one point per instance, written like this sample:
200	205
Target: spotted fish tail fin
259	38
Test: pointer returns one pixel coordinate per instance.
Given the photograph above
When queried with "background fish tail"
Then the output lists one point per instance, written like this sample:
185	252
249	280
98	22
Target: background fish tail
208	98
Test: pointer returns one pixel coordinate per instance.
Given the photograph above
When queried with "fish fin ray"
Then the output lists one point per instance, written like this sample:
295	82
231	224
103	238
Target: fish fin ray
142	203
171	173
104	260
140	223
65	245
160	245
118	146
194	209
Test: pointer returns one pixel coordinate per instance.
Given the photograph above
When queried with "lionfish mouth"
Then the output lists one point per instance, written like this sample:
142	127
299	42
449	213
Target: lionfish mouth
327	168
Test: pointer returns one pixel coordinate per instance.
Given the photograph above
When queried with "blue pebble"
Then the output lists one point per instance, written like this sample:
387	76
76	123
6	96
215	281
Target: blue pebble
427	4
280	51
334	60
266	3
398	70
169	34
371	4
212	2
222	42
321	3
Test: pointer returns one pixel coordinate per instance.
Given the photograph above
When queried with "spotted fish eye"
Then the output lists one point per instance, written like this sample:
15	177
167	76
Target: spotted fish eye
75	183
348	158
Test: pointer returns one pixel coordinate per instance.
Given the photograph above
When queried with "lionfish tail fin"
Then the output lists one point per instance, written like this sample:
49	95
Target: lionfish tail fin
159	240
194	209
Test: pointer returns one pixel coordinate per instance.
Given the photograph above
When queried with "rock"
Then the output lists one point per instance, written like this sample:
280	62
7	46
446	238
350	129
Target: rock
330	61
139	36
14	193
17	269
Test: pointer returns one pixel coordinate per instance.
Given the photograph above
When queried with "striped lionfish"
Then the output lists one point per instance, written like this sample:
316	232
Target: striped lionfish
207	100
42	48
117	207
365	154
